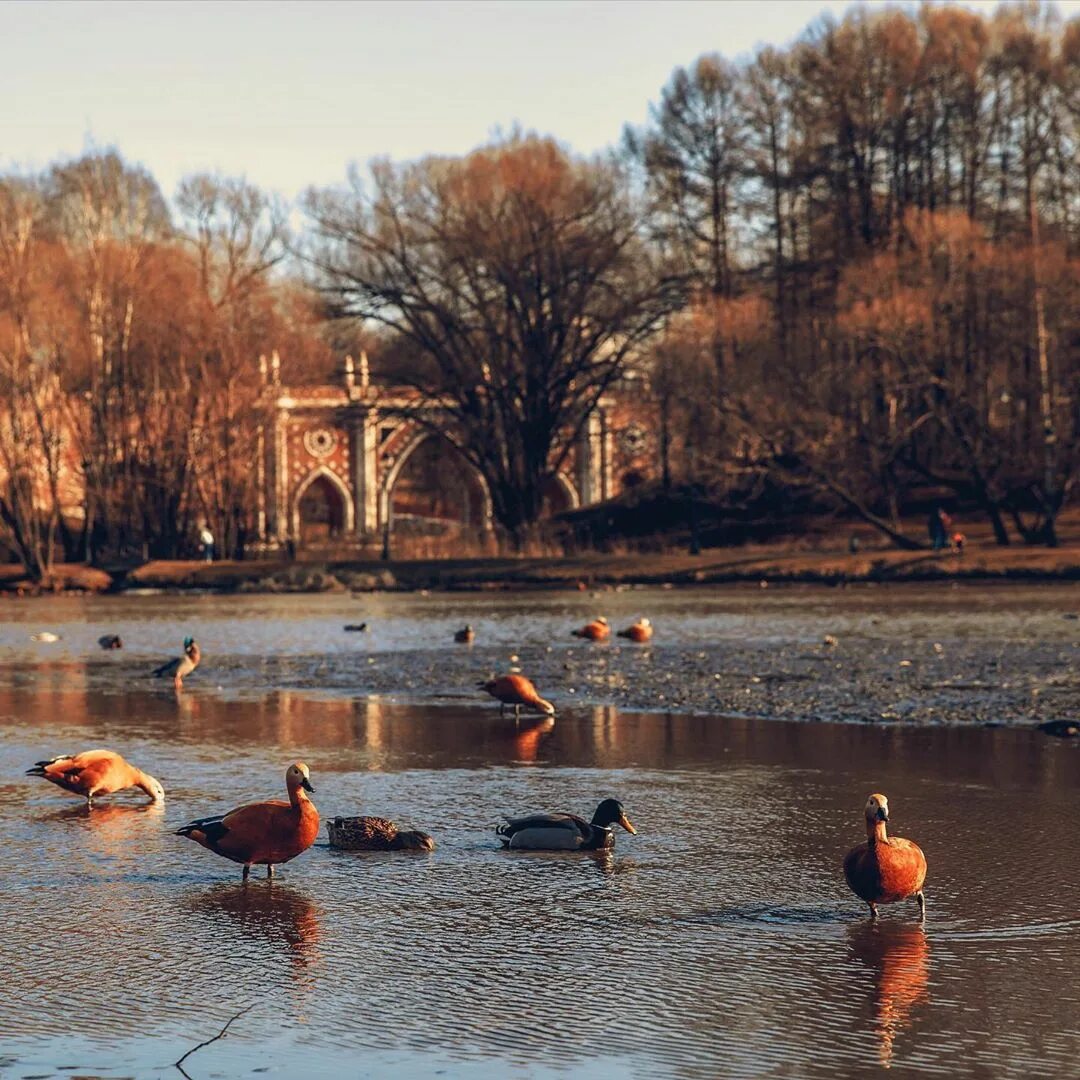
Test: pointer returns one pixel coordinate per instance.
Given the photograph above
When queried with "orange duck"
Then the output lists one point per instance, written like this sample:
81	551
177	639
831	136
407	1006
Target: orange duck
96	772
518	691
597	630
263	833
885	870
640	632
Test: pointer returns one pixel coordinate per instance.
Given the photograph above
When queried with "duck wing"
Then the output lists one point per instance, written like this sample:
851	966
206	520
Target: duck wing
168	668
545	832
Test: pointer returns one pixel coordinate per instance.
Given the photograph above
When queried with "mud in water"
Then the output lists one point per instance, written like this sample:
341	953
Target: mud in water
923	654
720	941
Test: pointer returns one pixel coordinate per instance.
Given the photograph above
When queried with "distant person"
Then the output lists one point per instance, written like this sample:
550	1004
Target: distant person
206	540
958	541
853	544
938	527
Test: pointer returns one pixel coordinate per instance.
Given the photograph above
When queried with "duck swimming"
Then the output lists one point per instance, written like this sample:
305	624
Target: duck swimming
263	833
375	834
640	632
885	869
566	832
518	691
465	636
597	630
96	772
182	665
110	641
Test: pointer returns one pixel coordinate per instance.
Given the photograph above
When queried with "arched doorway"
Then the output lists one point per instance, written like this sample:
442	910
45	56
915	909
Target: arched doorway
436	492
321	511
557	496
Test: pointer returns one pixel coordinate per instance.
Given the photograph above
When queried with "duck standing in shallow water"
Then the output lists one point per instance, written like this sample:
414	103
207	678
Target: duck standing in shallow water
640	632
182	665
885	869
518	691
263	833
96	772
597	630
566	832
465	636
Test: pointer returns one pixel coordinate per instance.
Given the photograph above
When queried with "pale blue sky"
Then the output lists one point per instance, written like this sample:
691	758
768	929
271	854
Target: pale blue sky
288	93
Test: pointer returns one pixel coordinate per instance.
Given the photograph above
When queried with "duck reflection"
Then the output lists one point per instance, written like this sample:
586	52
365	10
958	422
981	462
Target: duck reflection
115	828
899	956
278	914
527	740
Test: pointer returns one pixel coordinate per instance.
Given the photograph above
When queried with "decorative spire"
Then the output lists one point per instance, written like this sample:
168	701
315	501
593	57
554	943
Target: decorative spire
365	377
275	367
350	378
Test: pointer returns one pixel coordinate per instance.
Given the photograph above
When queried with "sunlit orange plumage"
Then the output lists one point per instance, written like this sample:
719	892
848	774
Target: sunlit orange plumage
518	691
597	630
263	833
639	632
885	869
96	772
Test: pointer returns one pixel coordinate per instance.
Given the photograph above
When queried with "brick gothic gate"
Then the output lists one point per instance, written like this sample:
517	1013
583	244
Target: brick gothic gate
340	463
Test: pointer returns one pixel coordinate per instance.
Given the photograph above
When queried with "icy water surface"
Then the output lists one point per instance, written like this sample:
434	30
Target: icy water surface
720	941
930	654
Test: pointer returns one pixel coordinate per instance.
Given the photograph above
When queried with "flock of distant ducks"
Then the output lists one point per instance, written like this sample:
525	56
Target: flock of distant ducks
882	870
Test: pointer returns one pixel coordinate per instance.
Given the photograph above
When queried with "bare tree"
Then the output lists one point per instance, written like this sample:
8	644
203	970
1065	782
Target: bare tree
519	274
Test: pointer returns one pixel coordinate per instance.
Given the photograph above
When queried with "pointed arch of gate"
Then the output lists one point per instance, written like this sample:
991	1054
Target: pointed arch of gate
390	479
349	524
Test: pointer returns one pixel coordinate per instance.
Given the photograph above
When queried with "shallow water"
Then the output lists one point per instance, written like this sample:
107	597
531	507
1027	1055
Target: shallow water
928	654
719	941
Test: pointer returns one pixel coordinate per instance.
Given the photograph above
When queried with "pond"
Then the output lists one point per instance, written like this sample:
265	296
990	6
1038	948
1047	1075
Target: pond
720	940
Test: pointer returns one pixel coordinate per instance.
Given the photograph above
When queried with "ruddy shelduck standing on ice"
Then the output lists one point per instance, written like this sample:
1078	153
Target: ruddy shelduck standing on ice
263	833
96	772
640	632
885	869
597	630
518	691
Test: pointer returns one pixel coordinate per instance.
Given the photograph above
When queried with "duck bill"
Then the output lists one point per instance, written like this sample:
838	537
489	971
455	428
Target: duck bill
624	821
306	785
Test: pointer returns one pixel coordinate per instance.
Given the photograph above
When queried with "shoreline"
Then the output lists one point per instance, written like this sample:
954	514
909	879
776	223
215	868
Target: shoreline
747	565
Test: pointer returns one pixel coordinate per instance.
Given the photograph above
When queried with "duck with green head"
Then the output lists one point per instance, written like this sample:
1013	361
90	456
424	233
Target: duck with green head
566	832
182	665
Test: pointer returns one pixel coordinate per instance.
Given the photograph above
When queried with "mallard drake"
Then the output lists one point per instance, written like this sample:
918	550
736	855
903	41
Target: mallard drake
110	641
182	665
885	869
566	832
518	691
465	636
375	834
263	833
597	630
639	632
96	772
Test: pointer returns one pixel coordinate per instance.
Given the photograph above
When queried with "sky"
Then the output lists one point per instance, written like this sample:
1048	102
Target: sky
287	94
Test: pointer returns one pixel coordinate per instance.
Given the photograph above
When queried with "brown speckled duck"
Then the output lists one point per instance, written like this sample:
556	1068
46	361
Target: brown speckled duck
375	834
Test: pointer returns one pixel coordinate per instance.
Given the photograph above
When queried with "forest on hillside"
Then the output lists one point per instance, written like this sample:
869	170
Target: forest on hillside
850	267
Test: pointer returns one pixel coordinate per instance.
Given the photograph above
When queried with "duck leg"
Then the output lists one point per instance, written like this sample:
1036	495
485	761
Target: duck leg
921	901
269	870
247	870
873	910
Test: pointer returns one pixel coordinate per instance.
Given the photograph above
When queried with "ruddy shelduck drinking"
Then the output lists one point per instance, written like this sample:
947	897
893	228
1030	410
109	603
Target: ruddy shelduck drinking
886	868
639	632
597	630
517	691
96	772
182	665
263	833
566	832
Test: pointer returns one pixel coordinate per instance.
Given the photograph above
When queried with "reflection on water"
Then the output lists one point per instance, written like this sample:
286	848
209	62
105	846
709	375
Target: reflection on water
721	939
898	954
